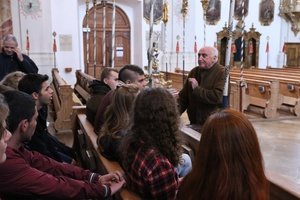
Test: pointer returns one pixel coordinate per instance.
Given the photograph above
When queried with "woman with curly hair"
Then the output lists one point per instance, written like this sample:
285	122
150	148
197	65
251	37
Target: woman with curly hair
151	149
228	163
116	121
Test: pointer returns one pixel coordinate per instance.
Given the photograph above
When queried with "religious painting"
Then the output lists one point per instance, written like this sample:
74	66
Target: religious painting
266	12
240	9
5	19
213	12
157	10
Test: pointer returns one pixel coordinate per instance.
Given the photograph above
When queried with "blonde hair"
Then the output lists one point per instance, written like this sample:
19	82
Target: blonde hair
12	79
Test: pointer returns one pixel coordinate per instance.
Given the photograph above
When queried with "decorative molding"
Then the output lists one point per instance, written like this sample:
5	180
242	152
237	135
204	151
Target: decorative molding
290	11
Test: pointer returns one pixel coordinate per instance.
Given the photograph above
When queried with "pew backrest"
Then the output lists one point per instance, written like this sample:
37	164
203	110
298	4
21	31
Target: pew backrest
81	87
106	166
63	100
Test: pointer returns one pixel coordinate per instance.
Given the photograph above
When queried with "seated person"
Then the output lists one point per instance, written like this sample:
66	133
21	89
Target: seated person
152	147
116	121
4	134
42	141
108	81
31	175
11	81
228	163
129	74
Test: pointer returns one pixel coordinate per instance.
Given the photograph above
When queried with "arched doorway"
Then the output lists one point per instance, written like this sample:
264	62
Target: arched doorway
122	39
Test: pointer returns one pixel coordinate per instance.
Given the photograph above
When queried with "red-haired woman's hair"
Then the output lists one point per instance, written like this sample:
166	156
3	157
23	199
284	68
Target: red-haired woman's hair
228	163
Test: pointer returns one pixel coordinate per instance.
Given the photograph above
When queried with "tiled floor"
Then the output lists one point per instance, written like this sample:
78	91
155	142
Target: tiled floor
280	145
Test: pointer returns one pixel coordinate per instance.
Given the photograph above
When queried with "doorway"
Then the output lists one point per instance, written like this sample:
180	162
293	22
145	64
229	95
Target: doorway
93	39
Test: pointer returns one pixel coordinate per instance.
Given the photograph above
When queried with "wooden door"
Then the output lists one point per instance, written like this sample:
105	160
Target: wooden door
292	54
95	63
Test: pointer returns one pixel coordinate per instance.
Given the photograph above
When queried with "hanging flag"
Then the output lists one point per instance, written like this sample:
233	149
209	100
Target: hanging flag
283	48
177	47
250	48
267	47
27	46
233	48
195	47
27	43
54	46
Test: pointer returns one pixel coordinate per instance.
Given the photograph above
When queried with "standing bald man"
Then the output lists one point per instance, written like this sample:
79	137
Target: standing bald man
202	93
11	58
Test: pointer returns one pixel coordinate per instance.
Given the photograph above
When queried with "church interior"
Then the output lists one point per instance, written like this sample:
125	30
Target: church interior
258	43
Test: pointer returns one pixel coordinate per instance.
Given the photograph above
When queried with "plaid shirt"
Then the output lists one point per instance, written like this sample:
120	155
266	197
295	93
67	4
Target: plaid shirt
152	175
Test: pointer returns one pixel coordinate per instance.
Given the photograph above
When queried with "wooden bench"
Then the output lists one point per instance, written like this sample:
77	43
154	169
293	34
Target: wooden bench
280	72
282	188
81	87
191	140
288	97
63	100
177	81
259	96
106	166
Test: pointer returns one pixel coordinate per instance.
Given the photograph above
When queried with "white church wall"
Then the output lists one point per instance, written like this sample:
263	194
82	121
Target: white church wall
38	24
65	23
137	41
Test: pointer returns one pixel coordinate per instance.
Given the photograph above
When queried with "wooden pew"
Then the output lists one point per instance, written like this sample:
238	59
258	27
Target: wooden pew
191	139
277	71
63	99
177	81
282	188
259	96
288	94
234	96
106	166
81	87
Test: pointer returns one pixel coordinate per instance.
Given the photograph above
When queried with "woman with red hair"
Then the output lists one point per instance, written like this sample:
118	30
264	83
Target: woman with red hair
228	164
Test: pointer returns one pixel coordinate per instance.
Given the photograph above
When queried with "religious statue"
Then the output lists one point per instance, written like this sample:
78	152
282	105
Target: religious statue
154	57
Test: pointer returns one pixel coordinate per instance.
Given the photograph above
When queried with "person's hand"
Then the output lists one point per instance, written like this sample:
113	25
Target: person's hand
193	82
174	92
114	187
19	54
111	178
180	181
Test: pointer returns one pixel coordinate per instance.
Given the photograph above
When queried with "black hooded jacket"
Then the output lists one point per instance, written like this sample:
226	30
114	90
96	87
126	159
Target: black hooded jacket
99	89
